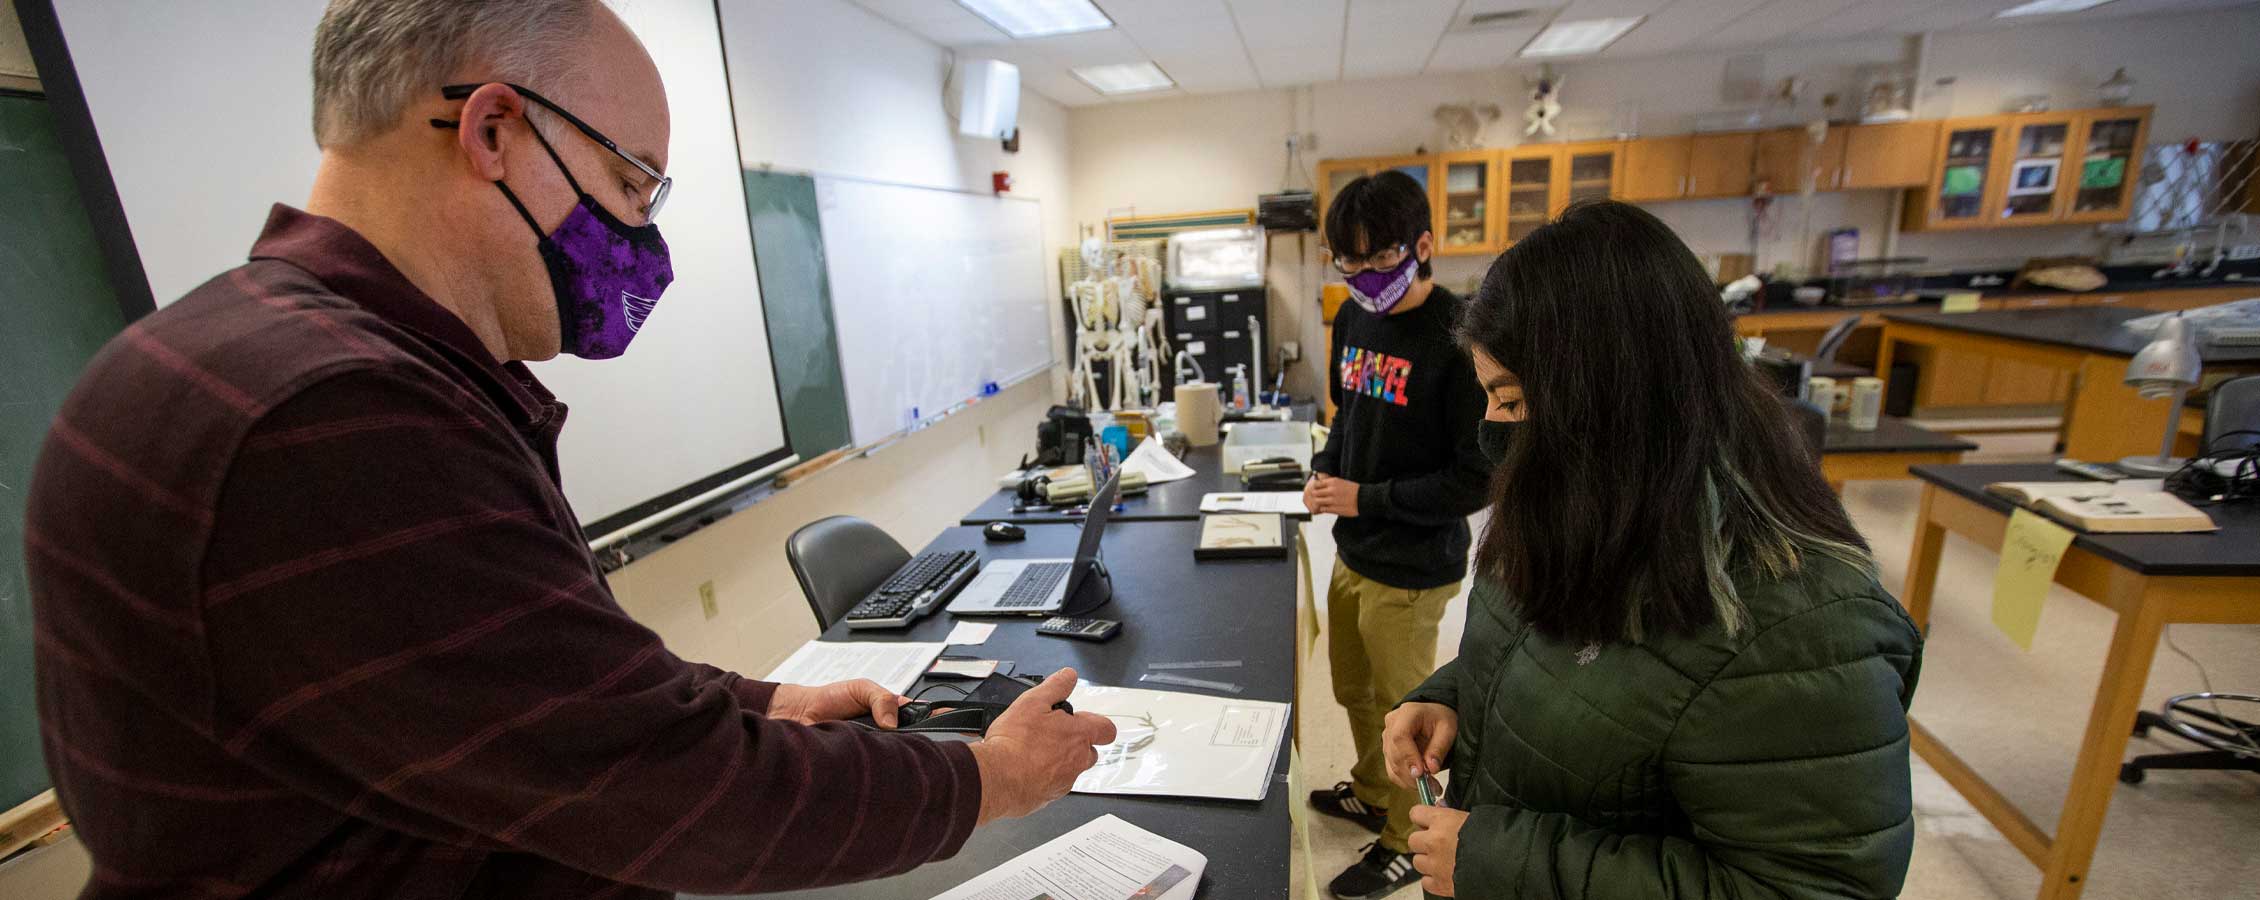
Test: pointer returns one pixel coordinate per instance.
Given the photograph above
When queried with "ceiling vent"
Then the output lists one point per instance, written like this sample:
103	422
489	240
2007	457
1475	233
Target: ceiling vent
1504	19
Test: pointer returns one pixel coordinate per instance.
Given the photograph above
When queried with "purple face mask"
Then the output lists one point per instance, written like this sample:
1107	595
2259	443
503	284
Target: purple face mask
1379	290
607	275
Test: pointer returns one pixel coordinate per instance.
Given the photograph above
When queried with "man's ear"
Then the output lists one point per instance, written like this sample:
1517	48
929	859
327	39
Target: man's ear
486	128
1425	248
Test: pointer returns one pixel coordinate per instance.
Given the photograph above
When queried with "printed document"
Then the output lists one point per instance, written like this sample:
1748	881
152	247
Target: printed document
1283	502
1175	744
1106	859
897	666
1154	461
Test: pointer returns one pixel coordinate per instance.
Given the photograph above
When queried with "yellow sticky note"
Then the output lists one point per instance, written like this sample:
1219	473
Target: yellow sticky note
2029	554
1960	301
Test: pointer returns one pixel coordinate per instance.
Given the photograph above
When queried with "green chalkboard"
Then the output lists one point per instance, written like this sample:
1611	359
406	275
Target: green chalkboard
56	309
796	299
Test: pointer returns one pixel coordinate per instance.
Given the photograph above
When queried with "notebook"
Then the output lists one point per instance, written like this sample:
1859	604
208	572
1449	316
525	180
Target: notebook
2106	508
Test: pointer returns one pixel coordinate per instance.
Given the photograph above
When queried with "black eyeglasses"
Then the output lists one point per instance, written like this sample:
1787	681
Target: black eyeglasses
1384	258
662	184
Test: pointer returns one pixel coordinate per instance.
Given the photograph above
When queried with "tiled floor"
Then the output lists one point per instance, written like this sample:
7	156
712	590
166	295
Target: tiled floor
2016	717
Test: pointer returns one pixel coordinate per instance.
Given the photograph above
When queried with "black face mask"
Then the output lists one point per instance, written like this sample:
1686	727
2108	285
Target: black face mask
1492	437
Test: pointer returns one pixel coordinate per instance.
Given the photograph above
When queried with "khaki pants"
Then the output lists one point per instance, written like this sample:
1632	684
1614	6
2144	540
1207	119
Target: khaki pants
1381	643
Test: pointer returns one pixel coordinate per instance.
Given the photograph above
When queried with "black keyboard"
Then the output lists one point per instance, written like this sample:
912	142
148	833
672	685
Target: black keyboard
1034	586
914	590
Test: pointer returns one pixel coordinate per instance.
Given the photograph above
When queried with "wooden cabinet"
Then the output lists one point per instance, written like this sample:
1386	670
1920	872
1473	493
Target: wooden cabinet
2105	161
1849	157
1891	155
1962	190
1719	164
1465	201
2049	168
1656	168
1335	174
1544	179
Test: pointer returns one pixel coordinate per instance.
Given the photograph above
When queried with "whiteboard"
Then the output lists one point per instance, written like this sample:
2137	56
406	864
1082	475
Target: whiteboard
938	298
198	155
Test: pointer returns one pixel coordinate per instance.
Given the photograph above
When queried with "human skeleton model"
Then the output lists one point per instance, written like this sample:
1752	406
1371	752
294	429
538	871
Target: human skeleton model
1118	321
1545	103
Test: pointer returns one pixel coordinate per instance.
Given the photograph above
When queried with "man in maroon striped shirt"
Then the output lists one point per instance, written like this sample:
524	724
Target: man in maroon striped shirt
313	616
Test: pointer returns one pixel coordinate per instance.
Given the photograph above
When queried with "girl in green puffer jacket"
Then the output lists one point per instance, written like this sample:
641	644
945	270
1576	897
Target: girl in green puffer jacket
1679	676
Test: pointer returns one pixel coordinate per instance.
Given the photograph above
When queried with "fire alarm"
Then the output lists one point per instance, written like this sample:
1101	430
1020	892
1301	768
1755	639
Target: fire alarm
1000	181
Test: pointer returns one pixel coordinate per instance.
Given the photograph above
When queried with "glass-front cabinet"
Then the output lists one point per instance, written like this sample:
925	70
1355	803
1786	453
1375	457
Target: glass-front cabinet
2106	156
1958	196
1336	174
2049	168
1530	191
1465	203
1592	172
2031	187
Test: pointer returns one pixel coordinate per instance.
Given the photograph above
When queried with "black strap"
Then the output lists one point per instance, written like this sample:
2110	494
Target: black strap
513	197
529	217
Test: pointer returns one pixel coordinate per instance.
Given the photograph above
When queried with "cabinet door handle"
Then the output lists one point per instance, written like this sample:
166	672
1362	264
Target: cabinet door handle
1844	175
1683	185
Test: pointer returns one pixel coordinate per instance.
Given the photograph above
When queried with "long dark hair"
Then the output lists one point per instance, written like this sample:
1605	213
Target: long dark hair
1653	465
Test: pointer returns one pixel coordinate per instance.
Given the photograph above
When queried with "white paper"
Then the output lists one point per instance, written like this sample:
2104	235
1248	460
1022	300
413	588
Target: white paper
1154	461
897	666
1174	744
1285	502
967	634
1105	859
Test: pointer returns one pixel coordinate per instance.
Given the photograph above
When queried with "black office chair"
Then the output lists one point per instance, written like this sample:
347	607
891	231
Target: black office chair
838	561
1833	339
2234	405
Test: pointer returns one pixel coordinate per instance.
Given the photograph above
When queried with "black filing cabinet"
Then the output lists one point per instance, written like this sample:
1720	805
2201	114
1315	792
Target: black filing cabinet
1214	327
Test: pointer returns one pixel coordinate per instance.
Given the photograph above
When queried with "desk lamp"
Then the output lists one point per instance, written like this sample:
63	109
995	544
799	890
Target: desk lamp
2167	367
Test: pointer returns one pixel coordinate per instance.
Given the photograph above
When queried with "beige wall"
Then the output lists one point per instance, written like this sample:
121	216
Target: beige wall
16	70
1219	151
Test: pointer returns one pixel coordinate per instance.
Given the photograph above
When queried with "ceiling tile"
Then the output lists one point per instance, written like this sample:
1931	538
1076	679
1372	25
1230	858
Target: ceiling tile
1393	38
1307	25
1285	66
957	33
1217	35
1214	76
1088	48
1150	12
1610	9
1869	19
1491	6
1464	51
910	11
1678	25
1061	85
1773	21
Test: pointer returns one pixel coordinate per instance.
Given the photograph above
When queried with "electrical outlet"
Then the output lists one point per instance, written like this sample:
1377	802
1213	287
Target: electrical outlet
706	601
1291	352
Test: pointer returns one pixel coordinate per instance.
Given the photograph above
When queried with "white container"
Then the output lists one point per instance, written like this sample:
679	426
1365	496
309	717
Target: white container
1867	403
1823	394
1250	441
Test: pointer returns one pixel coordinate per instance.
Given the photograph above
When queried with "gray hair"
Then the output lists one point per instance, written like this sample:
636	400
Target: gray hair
372	58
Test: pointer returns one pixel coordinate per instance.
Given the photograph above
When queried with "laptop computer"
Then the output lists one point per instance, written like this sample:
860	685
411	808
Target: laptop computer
1038	587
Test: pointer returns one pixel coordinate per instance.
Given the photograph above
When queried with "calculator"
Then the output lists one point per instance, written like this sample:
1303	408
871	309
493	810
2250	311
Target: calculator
1080	629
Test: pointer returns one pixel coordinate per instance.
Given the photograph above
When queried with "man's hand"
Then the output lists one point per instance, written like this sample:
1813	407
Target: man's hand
1032	753
1436	847
1417	736
1328	494
836	701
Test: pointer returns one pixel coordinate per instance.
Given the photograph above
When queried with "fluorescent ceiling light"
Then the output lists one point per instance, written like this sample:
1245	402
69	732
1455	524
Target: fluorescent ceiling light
1040	18
1127	78
2049	7
1579	37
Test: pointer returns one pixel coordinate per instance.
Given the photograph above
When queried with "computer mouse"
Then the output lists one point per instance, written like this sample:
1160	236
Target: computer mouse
1004	531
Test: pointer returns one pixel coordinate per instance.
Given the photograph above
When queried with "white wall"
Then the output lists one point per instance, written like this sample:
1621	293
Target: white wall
823	86
1219	151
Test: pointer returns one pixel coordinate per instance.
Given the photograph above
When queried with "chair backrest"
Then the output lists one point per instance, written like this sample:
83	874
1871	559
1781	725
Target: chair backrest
2234	405
838	561
1833	339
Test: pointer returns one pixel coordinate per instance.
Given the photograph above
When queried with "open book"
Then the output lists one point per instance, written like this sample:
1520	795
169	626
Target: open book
2092	506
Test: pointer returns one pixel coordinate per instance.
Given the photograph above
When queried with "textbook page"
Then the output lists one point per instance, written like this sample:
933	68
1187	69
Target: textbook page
1105	859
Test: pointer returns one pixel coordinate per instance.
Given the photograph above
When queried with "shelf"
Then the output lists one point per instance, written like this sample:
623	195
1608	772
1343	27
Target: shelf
1589	183
1463	223
1528	187
1471	192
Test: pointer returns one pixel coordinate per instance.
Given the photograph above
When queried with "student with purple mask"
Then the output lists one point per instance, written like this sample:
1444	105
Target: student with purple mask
1402	471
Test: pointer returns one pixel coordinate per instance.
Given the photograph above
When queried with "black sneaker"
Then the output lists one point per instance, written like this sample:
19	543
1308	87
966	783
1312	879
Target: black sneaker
1382	872
1342	803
